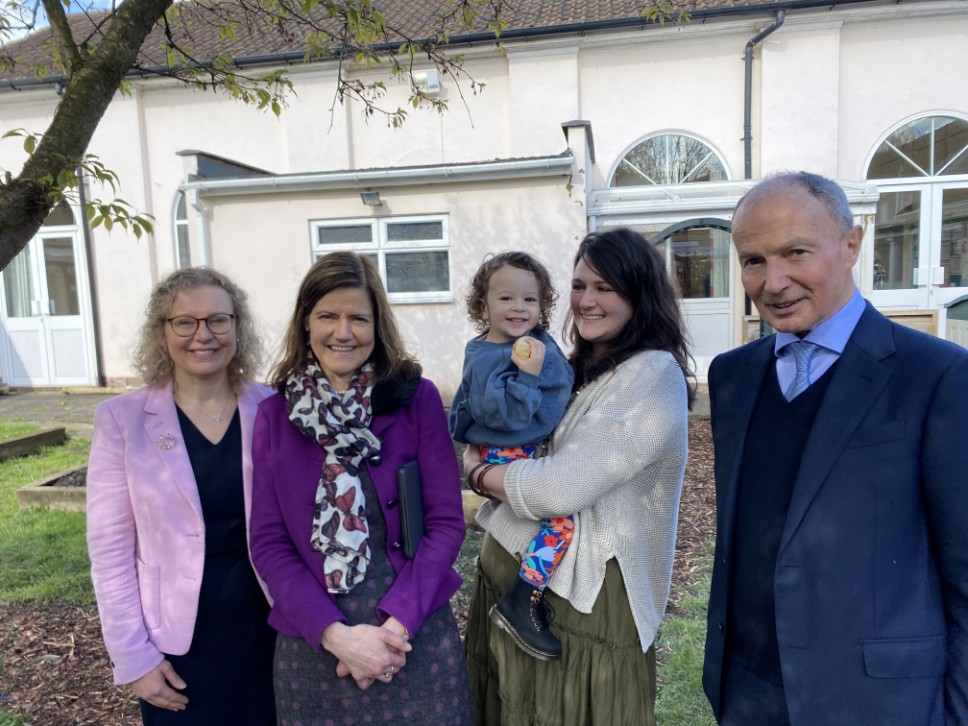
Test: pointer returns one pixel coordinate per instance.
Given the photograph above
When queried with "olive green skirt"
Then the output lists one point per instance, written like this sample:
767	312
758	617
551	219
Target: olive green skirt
602	678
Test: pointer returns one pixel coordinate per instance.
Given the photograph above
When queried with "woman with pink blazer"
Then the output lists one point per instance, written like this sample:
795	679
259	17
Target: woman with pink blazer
169	488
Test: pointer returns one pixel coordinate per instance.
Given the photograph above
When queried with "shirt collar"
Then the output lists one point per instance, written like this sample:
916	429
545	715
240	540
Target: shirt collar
834	332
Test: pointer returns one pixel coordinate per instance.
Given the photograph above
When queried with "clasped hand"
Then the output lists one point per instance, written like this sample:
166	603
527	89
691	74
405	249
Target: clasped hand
367	652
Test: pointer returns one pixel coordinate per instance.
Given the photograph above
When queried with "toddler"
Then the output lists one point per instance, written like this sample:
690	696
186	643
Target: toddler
515	387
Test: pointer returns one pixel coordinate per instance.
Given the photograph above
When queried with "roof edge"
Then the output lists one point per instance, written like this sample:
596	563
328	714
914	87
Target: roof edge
546	166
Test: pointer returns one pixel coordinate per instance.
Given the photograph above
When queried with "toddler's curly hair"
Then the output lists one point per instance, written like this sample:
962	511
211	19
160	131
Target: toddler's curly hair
477	295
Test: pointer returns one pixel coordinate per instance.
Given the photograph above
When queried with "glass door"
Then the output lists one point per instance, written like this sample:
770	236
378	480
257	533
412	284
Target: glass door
45	339
920	245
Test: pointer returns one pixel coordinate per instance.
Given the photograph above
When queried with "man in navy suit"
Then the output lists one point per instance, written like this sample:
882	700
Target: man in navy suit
840	584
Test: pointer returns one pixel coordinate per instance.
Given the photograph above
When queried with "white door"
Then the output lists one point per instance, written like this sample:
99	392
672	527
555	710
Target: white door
46	339
921	245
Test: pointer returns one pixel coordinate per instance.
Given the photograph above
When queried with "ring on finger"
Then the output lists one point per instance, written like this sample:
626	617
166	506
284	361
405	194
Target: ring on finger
388	675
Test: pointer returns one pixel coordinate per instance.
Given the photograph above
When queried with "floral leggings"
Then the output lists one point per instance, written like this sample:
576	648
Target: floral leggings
545	551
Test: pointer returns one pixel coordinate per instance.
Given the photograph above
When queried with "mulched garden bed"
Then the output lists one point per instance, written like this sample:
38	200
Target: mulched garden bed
74	689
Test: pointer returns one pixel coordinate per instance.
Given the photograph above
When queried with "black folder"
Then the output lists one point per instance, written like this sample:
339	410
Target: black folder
411	507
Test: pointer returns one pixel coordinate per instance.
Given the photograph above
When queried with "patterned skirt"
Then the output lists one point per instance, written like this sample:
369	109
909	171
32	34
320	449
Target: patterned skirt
602	679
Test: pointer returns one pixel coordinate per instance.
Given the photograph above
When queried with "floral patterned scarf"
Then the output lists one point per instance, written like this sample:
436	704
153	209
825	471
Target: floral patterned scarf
340	424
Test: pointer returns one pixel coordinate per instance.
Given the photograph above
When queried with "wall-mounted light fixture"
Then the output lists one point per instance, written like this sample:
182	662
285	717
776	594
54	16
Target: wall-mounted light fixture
371	198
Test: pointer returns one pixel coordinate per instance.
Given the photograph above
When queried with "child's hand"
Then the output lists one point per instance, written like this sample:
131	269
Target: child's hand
533	362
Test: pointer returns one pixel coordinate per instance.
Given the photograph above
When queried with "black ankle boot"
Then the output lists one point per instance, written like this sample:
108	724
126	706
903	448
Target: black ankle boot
523	613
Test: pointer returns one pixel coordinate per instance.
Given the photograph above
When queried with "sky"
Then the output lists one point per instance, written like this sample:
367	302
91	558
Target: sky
19	14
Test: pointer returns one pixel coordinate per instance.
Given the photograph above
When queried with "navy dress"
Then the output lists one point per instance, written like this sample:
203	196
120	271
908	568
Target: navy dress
228	668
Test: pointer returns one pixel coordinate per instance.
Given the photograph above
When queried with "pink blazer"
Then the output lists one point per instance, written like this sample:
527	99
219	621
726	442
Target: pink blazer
145	533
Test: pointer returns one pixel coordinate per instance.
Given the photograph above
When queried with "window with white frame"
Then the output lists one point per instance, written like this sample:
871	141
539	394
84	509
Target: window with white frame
183	252
413	253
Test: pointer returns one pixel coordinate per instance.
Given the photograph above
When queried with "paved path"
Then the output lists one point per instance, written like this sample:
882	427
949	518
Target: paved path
74	411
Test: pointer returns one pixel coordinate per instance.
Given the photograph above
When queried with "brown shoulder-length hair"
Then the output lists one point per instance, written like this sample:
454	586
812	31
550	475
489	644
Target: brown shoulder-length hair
477	295
635	269
332	272
151	358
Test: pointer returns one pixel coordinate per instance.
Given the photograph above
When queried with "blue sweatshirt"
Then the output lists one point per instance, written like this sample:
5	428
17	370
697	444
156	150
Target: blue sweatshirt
499	405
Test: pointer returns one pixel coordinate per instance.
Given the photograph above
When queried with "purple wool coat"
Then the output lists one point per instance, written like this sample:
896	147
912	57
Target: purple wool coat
286	471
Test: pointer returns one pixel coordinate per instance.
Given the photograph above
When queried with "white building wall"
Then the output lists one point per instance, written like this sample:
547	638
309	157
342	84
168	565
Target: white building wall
543	93
797	91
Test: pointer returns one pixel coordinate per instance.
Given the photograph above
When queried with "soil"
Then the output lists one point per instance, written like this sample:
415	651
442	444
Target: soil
74	686
74	479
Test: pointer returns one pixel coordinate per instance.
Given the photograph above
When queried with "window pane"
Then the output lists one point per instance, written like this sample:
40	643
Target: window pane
954	237
61	276
344	235
184	250
411	231
418	271
897	240
701	257
60	215
18	286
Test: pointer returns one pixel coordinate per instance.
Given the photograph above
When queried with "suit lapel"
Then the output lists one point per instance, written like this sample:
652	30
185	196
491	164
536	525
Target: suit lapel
858	380
165	437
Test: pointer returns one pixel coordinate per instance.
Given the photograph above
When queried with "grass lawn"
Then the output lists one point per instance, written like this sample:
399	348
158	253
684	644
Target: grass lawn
44	553
13	429
680	699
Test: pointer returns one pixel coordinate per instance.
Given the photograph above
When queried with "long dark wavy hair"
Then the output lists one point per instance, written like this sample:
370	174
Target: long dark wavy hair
334	271
637	272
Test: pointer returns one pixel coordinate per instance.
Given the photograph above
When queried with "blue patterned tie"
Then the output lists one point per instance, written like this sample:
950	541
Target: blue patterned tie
803	351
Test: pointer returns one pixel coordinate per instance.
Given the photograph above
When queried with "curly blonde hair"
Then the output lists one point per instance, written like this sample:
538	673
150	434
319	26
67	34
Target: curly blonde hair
151	358
477	295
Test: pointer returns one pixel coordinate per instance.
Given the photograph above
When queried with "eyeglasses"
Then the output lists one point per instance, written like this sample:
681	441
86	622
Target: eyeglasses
185	326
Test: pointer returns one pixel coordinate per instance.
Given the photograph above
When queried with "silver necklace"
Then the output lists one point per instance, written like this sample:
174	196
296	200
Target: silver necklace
216	417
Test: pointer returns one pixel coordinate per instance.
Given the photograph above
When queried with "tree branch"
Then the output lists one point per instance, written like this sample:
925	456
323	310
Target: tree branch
66	54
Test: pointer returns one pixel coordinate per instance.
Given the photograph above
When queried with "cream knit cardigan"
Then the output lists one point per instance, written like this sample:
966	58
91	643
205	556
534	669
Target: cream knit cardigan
615	462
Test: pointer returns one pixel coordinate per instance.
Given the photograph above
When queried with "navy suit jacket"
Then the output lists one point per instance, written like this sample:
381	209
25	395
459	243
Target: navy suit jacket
871	577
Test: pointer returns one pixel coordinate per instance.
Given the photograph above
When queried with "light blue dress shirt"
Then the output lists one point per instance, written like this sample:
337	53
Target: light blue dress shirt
831	337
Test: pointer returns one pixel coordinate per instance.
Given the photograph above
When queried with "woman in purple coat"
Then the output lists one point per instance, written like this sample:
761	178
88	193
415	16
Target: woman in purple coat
352	611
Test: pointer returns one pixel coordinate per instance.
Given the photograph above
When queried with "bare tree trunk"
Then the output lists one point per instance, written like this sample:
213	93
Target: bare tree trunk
24	202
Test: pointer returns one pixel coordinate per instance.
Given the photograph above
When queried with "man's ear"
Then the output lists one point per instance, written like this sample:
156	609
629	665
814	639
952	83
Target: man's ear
854	238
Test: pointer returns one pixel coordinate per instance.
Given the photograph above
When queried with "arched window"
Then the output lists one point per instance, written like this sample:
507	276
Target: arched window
183	252
668	159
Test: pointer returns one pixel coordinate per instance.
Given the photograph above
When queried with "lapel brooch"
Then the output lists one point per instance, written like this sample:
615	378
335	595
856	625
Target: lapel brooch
166	441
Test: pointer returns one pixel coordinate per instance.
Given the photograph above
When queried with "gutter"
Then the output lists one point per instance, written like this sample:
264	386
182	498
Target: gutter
748	92
297	57
442	174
